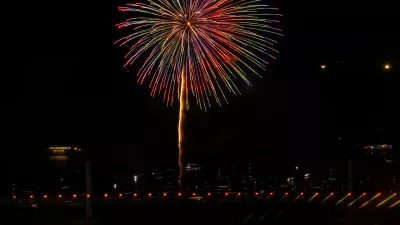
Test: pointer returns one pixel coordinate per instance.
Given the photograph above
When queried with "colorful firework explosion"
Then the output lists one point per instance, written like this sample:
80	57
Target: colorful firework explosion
206	44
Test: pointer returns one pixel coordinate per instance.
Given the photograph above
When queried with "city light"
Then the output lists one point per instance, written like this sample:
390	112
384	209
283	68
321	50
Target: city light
31	196
301	193
60	196
226	194
342	199
312	197
256	194
209	194
45	196
239	194
135	195
194	194
286	194
164	194
74	196
394	204
271	193
328	197
105	195
367	202
88	196
386	200
149	195
323	66
355	200
179	194
387	67
120	195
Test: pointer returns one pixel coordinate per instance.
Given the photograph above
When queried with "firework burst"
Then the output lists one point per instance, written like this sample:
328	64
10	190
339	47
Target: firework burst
198	46
212	43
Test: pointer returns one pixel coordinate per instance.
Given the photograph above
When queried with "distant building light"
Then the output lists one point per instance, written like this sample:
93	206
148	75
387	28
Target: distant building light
323	66
192	167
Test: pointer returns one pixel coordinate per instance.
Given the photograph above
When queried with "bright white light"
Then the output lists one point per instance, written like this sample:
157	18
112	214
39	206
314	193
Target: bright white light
115	186
135	178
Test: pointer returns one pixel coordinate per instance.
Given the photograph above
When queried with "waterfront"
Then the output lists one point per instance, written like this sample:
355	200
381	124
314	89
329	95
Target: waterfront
202	212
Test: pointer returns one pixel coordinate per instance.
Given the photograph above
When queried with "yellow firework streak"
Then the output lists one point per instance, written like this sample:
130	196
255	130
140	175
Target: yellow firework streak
180	125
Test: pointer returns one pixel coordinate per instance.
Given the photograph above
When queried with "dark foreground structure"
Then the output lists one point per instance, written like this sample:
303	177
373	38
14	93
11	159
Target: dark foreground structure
199	212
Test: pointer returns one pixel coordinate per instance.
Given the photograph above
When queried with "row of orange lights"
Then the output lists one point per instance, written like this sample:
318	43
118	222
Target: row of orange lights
60	196
193	194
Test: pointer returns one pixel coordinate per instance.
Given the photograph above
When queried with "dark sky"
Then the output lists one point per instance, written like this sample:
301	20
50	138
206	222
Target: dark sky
67	86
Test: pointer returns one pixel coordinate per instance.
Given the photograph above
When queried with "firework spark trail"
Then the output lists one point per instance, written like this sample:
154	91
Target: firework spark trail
182	106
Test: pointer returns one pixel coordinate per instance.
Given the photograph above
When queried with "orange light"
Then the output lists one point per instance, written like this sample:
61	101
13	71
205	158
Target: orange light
88	196
135	195
31	196
387	67
194	194
165	194
188	23
45	196
209	194
105	195
379	194
395	194
239	194
316	193
286	194
349	194
120	195
364	194
332	193
74	196
60	196
256	193
323	67
179	194
271	193
226	194
301	193
149	194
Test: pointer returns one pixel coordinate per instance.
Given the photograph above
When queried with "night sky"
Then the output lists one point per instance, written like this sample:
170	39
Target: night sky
67	86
